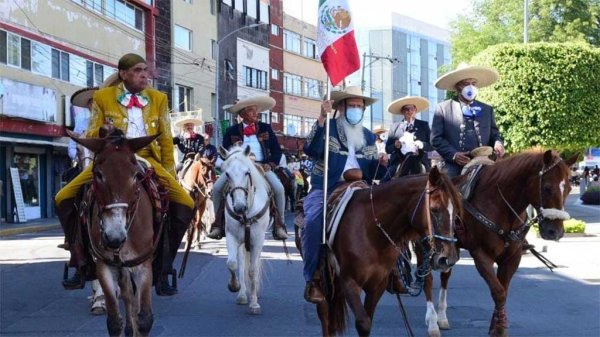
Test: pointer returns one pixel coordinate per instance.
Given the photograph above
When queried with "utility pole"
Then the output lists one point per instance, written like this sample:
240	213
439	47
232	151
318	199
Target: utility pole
217	108
373	58
526	22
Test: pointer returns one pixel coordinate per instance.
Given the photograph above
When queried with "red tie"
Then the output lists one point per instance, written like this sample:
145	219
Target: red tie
250	130
134	101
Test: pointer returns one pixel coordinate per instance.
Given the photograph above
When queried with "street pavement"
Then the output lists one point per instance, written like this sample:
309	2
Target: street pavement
565	302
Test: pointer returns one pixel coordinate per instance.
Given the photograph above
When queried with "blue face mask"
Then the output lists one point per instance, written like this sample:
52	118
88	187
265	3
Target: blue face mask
354	115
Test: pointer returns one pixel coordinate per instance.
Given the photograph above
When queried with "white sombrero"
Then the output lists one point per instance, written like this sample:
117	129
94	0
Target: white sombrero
379	129
263	103
419	102
350	92
81	97
484	75
189	119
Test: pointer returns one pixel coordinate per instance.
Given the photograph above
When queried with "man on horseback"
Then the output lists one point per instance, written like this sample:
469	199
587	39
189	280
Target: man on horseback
351	147
463	123
408	106
188	141
139	111
265	147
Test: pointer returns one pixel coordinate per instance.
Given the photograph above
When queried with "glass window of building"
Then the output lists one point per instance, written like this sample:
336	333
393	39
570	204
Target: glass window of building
291	41
239	5
274	74
229	70
3	46
274	29
310	48
41	59
255	78
27	164
14	49
98	74
252	8
184	98
78	70
183	38
25	54
312	88
263	15
307	123
228	2
213	49
264	117
129	14
212	6
292	125
292	84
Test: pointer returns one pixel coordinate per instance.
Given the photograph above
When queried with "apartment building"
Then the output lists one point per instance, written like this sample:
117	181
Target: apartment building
48	50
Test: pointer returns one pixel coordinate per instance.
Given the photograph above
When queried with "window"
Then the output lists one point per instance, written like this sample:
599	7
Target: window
78	70
256	78
228	2
292	84
252	8
307	124
184	98
292	125
310	48
264	117
239	5
60	65
41	60
212	6
274	117
264	12
213	49
14	49
274	29
98	74
129	14
229	70
275	74
183	38
2	46
312	88
291	41
25	54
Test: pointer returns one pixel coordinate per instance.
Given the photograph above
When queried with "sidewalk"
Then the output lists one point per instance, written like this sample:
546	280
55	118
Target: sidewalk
31	226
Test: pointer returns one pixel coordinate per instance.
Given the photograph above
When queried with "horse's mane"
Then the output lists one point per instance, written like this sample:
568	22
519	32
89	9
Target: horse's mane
236	152
506	169
116	136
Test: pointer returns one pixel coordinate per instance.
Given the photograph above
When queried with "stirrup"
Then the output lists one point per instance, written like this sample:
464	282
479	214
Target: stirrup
72	283
165	278
98	305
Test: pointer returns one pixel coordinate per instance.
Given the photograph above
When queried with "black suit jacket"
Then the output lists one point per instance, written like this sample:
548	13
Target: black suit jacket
422	133
265	135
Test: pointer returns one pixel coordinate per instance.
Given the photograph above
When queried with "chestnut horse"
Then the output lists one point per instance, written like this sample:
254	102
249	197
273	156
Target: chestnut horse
194	181
376	223
122	238
495	231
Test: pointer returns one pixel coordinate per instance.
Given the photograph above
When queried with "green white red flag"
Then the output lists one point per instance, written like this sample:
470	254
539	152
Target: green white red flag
335	40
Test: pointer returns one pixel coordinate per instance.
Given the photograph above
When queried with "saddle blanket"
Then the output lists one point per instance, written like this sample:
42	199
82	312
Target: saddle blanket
337	213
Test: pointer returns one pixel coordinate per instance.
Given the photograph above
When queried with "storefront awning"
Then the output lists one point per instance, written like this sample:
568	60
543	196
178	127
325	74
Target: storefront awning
32	141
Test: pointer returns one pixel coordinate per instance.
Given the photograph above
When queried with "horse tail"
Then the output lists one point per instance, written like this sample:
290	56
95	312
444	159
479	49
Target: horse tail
338	311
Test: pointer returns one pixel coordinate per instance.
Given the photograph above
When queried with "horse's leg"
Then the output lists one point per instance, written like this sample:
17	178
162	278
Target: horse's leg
128	297
254	270
351	291
232	262
143	283
485	267
243	294
506	269
431	316
323	313
108	281
372	297
98	304
442	321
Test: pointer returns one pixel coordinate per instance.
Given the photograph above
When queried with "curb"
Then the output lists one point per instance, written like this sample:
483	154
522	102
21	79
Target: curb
27	229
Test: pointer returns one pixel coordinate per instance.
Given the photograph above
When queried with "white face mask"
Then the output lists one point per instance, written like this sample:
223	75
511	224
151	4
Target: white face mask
469	92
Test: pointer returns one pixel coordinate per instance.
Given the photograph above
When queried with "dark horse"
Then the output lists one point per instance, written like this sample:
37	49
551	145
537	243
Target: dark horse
288	183
494	225
122	235
376	223
195	182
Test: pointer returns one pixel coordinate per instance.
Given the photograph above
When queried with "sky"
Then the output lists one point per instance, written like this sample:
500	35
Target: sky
436	12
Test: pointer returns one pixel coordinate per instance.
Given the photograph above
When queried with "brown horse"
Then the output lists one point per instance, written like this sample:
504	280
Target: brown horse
494	226
194	181
376	223
122	236
289	184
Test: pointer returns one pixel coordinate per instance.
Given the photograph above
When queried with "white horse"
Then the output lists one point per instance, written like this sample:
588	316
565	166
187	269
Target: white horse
247	217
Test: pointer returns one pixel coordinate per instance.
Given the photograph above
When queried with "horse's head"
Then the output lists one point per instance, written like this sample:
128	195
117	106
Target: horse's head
115	182
550	190
444	207
239	171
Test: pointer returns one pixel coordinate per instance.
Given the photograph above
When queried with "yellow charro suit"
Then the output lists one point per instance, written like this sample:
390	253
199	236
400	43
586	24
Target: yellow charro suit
107	109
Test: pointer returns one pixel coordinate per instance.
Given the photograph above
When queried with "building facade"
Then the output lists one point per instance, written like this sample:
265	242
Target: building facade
48	50
399	60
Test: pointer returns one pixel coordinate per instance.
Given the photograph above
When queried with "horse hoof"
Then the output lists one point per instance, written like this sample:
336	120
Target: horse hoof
434	333
443	324
241	300
234	288
254	311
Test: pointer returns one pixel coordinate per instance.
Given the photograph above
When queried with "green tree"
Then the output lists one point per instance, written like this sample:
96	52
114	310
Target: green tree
501	21
548	94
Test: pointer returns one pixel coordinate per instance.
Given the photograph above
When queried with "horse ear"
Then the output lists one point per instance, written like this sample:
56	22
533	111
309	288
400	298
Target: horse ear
137	143
93	144
223	152
434	176
548	158
247	151
572	160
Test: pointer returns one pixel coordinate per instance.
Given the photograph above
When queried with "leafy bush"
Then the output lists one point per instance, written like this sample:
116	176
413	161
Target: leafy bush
571	226
591	196
548	94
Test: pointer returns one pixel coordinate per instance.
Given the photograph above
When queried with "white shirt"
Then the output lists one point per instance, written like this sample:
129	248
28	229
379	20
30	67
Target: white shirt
351	162
135	123
254	144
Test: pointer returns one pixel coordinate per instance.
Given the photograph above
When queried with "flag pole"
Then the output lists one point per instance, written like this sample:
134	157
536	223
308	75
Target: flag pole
326	165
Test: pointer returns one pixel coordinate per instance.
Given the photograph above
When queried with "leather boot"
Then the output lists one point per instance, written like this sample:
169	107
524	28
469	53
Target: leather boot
67	215
217	230
180	217
279	230
312	290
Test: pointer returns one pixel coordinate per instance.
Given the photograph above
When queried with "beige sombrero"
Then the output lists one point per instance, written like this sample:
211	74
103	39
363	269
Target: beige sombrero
419	102
484	75
193	120
263	103
350	92
379	129
81	97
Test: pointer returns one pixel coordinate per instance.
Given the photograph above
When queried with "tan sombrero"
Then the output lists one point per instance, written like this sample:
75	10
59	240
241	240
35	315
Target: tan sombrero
484	75
350	92
263	103
189	119
419	102
81	97
379	129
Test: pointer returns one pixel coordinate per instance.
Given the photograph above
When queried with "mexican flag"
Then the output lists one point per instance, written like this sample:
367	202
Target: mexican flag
335	40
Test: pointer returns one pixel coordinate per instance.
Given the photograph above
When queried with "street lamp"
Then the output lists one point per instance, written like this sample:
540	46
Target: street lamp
217	108
374	58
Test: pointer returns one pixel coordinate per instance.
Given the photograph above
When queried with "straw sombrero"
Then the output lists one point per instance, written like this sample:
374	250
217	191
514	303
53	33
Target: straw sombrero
263	103
484	75
419	102
194	120
81	97
379	129
350	92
